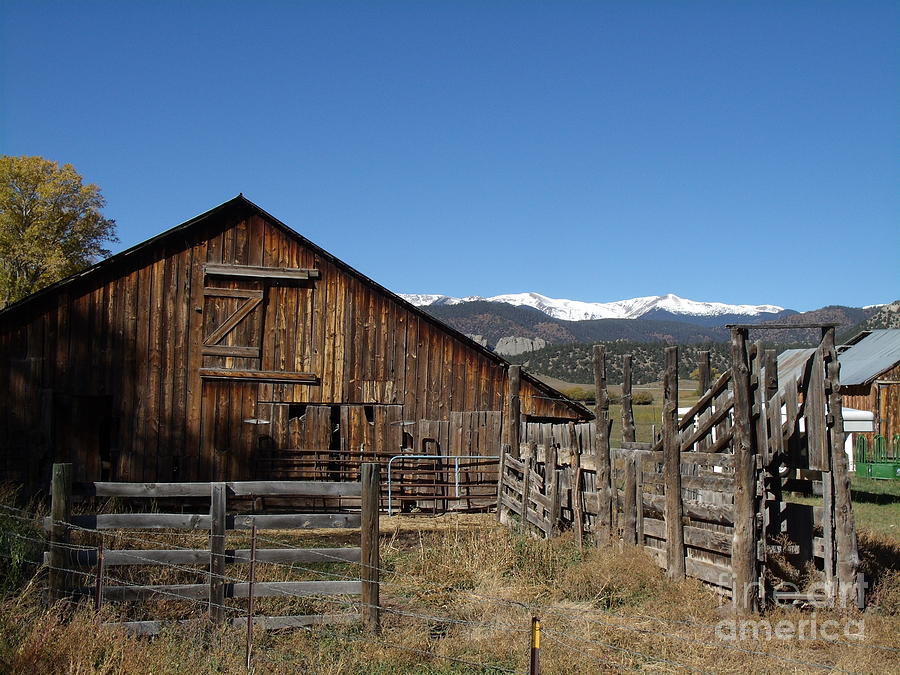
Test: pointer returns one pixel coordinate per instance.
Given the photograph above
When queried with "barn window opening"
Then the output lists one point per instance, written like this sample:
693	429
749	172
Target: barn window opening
370	413
407	441
296	411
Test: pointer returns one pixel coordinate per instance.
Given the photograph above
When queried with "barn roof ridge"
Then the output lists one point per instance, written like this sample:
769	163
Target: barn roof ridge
240	201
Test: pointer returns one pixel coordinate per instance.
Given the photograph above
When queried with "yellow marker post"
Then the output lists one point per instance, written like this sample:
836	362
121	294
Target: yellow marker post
535	665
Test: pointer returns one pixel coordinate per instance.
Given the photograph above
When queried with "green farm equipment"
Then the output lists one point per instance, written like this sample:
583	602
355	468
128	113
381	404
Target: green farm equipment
882	462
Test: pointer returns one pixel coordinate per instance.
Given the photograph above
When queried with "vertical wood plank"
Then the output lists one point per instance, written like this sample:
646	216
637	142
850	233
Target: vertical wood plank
603	532
217	553
60	514
577	497
743	557
628	428
370	561
514	410
672	469
629	533
846	552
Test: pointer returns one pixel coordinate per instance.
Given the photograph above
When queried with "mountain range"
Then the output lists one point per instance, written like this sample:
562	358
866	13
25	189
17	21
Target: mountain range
665	318
649	307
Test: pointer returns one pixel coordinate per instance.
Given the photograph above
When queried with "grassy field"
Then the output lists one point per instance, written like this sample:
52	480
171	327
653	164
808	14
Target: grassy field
876	505
459	592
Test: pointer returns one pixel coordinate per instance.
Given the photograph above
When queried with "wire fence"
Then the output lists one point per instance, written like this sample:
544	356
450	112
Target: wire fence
589	644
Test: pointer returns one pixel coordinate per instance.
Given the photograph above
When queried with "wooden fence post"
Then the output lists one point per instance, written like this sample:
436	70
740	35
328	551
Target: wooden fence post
551	481
217	552
604	465
743	550
628	430
368	535
514	411
501	477
250	583
847	554
60	513
629	523
705	372
577	509
672	469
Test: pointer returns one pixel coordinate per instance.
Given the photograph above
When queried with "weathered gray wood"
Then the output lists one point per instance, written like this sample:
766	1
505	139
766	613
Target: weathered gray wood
149	628
717	388
294	488
295	521
124	557
814	415
552	480
603	530
369	531
704	371
744	560
675	552
577	497
711	540
709	572
197	521
230	590
217	553
60	515
629	531
514	409
828	527
501	477
254	272
846	552
628	428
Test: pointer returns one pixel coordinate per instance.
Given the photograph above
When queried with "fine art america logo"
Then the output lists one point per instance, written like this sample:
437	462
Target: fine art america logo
811	628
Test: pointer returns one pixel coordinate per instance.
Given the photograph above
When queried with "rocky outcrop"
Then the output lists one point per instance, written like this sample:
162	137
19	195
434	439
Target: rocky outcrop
480	339
512	346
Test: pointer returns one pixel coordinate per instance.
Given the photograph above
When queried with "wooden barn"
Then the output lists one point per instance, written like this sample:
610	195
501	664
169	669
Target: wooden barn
870	377
231	347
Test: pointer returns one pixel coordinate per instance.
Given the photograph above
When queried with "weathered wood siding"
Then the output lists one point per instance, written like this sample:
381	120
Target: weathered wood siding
882	398
106	372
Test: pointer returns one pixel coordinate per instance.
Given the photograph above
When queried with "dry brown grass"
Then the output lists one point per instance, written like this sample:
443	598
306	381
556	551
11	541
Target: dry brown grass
463	588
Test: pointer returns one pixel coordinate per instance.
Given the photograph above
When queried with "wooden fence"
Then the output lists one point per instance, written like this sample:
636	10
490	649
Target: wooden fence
67	562
715	494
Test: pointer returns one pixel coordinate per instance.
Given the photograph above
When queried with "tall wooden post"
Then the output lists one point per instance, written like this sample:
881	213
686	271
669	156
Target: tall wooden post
846	551
551	481
217	553
629	506
370	560
577	509
705	373
672	469
628	430
60	515
514	411
604	464
743	555
775	446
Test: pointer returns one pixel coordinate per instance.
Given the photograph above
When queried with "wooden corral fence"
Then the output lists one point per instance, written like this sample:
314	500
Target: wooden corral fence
67	562
711	498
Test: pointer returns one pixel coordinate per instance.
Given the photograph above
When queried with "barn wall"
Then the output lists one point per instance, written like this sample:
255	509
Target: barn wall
881	399
106	372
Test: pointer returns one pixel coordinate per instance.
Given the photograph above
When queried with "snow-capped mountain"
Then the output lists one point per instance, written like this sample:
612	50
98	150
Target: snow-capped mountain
576	310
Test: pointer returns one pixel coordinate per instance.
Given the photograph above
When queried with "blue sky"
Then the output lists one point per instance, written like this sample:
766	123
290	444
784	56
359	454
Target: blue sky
732	151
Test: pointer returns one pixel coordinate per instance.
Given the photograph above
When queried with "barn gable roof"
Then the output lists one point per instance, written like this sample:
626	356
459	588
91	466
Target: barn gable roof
241	204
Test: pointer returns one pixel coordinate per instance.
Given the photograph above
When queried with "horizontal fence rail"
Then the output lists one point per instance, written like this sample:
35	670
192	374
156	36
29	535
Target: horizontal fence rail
66	561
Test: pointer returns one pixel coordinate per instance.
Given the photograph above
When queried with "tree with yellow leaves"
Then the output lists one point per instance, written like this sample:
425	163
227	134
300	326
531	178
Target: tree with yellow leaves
51	225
